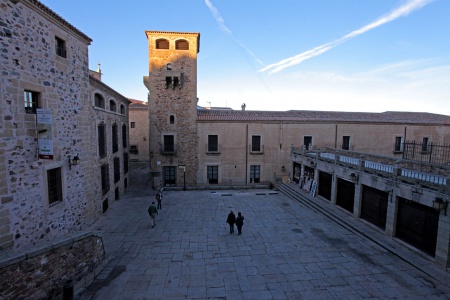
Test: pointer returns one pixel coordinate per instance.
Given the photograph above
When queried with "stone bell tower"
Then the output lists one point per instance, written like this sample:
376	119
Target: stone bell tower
172	102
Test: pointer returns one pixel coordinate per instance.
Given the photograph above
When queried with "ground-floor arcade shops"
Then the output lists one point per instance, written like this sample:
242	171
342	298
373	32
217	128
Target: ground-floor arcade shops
398	198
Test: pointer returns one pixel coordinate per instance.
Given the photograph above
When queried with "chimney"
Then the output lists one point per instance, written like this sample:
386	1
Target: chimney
99	73
243	106
96	74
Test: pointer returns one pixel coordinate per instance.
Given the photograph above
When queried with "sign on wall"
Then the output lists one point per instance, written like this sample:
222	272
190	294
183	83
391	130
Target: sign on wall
45	135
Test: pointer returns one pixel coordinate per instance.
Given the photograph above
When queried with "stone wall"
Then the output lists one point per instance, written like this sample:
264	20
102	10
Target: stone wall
29	62
42	273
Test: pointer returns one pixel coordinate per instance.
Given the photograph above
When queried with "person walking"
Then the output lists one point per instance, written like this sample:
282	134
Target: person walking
159	196
239	222
231	219
153	211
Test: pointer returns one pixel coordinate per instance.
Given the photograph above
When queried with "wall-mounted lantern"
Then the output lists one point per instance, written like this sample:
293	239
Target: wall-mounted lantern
74	162
169	66
440	205
283	169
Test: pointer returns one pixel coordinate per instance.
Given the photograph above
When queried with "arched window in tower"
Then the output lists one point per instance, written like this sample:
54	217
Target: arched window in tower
172	119
162	44
181	45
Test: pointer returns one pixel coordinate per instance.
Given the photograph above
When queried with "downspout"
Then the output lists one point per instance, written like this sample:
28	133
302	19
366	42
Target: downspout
246	154
281	135
335	136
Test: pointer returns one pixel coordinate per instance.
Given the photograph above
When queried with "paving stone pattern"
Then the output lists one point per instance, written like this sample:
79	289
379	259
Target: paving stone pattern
286	251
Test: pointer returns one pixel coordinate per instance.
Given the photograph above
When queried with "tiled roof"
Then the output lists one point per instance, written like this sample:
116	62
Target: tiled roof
138	104
322	116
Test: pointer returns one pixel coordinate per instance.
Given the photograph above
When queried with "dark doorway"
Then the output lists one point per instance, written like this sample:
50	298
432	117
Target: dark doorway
345	196
374	206
297	170
417	225
325	184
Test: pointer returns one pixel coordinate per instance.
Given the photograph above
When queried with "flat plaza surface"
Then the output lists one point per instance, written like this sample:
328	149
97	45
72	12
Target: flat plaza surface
286	251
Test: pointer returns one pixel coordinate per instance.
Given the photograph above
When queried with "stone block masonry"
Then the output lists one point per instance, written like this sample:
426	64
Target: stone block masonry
41	274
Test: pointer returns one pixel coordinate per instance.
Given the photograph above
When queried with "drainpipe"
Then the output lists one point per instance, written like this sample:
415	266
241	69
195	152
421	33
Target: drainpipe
335	137
246	154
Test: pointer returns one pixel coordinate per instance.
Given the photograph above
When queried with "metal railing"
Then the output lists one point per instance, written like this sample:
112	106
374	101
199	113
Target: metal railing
432	175
431	152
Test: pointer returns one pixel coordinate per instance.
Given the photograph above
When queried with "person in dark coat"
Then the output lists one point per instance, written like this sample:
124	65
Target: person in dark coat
231	219
153	211
239	222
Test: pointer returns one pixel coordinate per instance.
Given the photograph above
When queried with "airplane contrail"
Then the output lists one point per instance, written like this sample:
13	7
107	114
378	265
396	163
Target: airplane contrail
401	11
225	29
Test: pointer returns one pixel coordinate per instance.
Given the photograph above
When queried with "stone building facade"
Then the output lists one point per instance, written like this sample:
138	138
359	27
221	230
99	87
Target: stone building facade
139	132
50	166
172	83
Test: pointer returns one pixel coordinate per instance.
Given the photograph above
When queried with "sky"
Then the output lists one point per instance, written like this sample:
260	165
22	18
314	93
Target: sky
323	55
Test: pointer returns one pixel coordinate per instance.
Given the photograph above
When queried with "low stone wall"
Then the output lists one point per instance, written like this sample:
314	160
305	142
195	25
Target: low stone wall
45	272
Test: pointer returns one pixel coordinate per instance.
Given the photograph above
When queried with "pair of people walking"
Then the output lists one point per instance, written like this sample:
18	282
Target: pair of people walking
152	209
239	221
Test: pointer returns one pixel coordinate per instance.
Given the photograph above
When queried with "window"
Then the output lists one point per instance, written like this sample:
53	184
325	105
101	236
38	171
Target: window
125	163
398	147
162	44
134	149
425	144
172	119
345	143
173	82
31	100
54	184
122	109
124	135
256	143
255	174
213	174
105	179
169	175
133	125
213	143
105	205
116	169
99	101
116	194
102	140
181	45
60	47
169	143
115	142
112	105
307	142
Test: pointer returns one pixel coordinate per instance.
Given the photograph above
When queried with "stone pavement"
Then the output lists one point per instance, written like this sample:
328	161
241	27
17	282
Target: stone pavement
286	251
